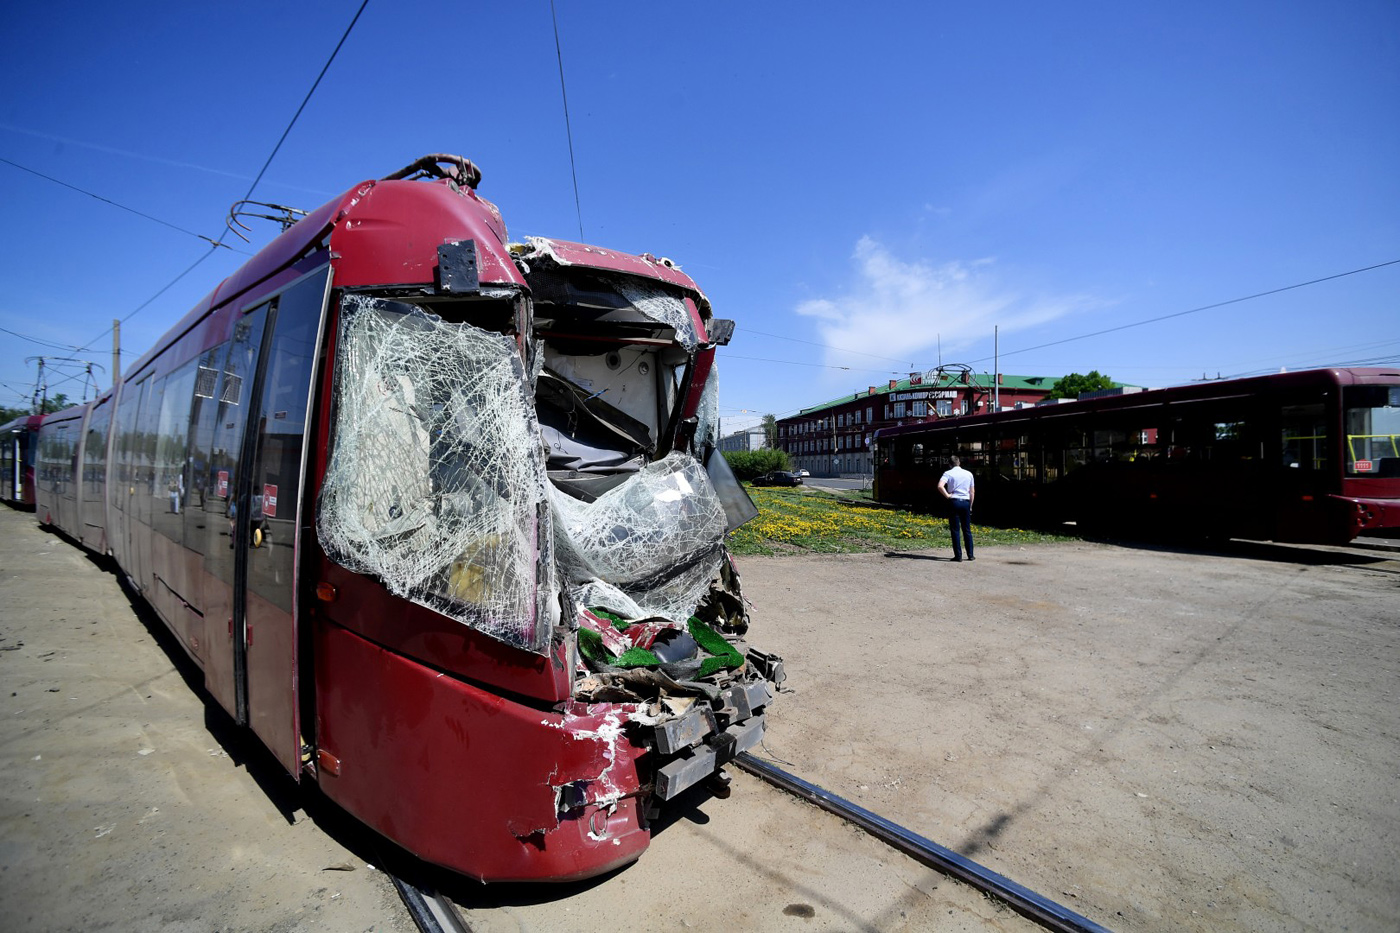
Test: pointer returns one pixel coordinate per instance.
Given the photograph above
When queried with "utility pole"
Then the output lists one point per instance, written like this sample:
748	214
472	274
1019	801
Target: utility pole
996	368
116	352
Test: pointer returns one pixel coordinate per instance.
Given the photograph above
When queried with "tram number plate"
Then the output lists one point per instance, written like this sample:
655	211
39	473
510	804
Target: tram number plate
270	501
1363	466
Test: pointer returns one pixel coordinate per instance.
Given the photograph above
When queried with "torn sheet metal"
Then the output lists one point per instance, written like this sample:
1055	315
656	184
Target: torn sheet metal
436	482
564	254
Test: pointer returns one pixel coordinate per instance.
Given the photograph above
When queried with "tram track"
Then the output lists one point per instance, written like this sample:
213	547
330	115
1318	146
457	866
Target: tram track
431	912
435	913
1040	909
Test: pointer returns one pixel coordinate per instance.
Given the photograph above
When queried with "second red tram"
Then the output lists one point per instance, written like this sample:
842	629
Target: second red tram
18	441
439	519
1310	456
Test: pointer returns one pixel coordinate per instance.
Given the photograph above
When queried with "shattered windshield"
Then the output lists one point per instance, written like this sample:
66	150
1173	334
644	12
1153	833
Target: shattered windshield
481	487
436	479
650	547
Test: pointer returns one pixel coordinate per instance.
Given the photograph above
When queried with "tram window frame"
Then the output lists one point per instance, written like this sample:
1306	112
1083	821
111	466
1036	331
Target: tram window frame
203	528
1371	425
94	478
171	459
147	422
290	369
236	378
1307	452
125	424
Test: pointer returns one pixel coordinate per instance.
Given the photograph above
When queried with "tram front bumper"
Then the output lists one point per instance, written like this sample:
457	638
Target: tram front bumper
696	743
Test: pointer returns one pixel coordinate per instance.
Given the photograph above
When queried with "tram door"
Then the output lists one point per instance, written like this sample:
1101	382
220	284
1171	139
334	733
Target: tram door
255	677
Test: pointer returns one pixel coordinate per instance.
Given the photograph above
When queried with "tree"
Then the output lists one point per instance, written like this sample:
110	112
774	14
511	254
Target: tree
1074	384
747	464
770	432
57	403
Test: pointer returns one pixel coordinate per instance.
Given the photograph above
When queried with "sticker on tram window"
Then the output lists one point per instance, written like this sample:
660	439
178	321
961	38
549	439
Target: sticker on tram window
1363	466
270	501
223	484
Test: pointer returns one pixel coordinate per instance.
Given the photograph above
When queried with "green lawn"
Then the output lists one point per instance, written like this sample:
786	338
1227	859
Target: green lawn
805	519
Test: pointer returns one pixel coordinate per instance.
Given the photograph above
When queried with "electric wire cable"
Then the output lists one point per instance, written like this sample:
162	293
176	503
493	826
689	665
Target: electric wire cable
1209	307
568	127
252	187
42	343
876	356
129	210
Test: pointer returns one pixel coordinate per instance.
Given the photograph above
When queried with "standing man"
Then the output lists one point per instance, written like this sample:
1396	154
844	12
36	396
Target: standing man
958	487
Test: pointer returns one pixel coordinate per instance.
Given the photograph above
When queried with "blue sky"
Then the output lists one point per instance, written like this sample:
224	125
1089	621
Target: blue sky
861	187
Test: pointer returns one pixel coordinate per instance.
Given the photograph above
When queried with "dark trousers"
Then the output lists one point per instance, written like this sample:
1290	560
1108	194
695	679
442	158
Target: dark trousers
961	519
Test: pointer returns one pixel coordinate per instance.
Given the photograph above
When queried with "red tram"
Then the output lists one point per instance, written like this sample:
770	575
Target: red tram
1304	457
438	517
18	441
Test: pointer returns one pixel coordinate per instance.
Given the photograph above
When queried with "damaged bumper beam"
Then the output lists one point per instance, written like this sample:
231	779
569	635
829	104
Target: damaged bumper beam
695	765
735	704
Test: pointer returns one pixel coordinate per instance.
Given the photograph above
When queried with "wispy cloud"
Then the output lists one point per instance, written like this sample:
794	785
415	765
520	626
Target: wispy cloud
900	307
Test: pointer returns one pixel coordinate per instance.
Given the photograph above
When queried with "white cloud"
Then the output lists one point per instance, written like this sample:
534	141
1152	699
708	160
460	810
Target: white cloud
899	308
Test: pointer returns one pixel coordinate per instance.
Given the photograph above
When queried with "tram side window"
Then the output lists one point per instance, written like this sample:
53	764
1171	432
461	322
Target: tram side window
1372	425
205	524
95	456
226	443
149	496
1014	460
1304	437
281	430
1143	445
171	449
1068	449
55	458
1234	441
126	443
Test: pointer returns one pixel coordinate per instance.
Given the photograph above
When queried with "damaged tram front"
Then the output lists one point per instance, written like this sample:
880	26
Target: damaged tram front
528	634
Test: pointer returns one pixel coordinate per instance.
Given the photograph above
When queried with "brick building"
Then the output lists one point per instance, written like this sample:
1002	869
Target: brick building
834	437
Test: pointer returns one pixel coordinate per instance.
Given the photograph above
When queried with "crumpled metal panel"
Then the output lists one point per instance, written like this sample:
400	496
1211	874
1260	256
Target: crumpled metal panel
564	253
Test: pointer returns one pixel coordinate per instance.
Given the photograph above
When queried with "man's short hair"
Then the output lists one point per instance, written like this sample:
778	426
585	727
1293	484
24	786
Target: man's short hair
954	460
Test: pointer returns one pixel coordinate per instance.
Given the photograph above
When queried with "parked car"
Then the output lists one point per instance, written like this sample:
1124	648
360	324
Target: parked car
803	473
778	478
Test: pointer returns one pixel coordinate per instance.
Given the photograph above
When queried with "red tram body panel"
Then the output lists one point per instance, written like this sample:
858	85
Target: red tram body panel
1311	456
440	518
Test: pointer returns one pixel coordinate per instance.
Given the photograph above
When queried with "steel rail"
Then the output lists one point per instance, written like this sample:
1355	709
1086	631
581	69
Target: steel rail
432	912
1042	910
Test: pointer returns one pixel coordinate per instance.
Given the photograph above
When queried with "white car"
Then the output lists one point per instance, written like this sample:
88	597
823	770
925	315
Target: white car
803	473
